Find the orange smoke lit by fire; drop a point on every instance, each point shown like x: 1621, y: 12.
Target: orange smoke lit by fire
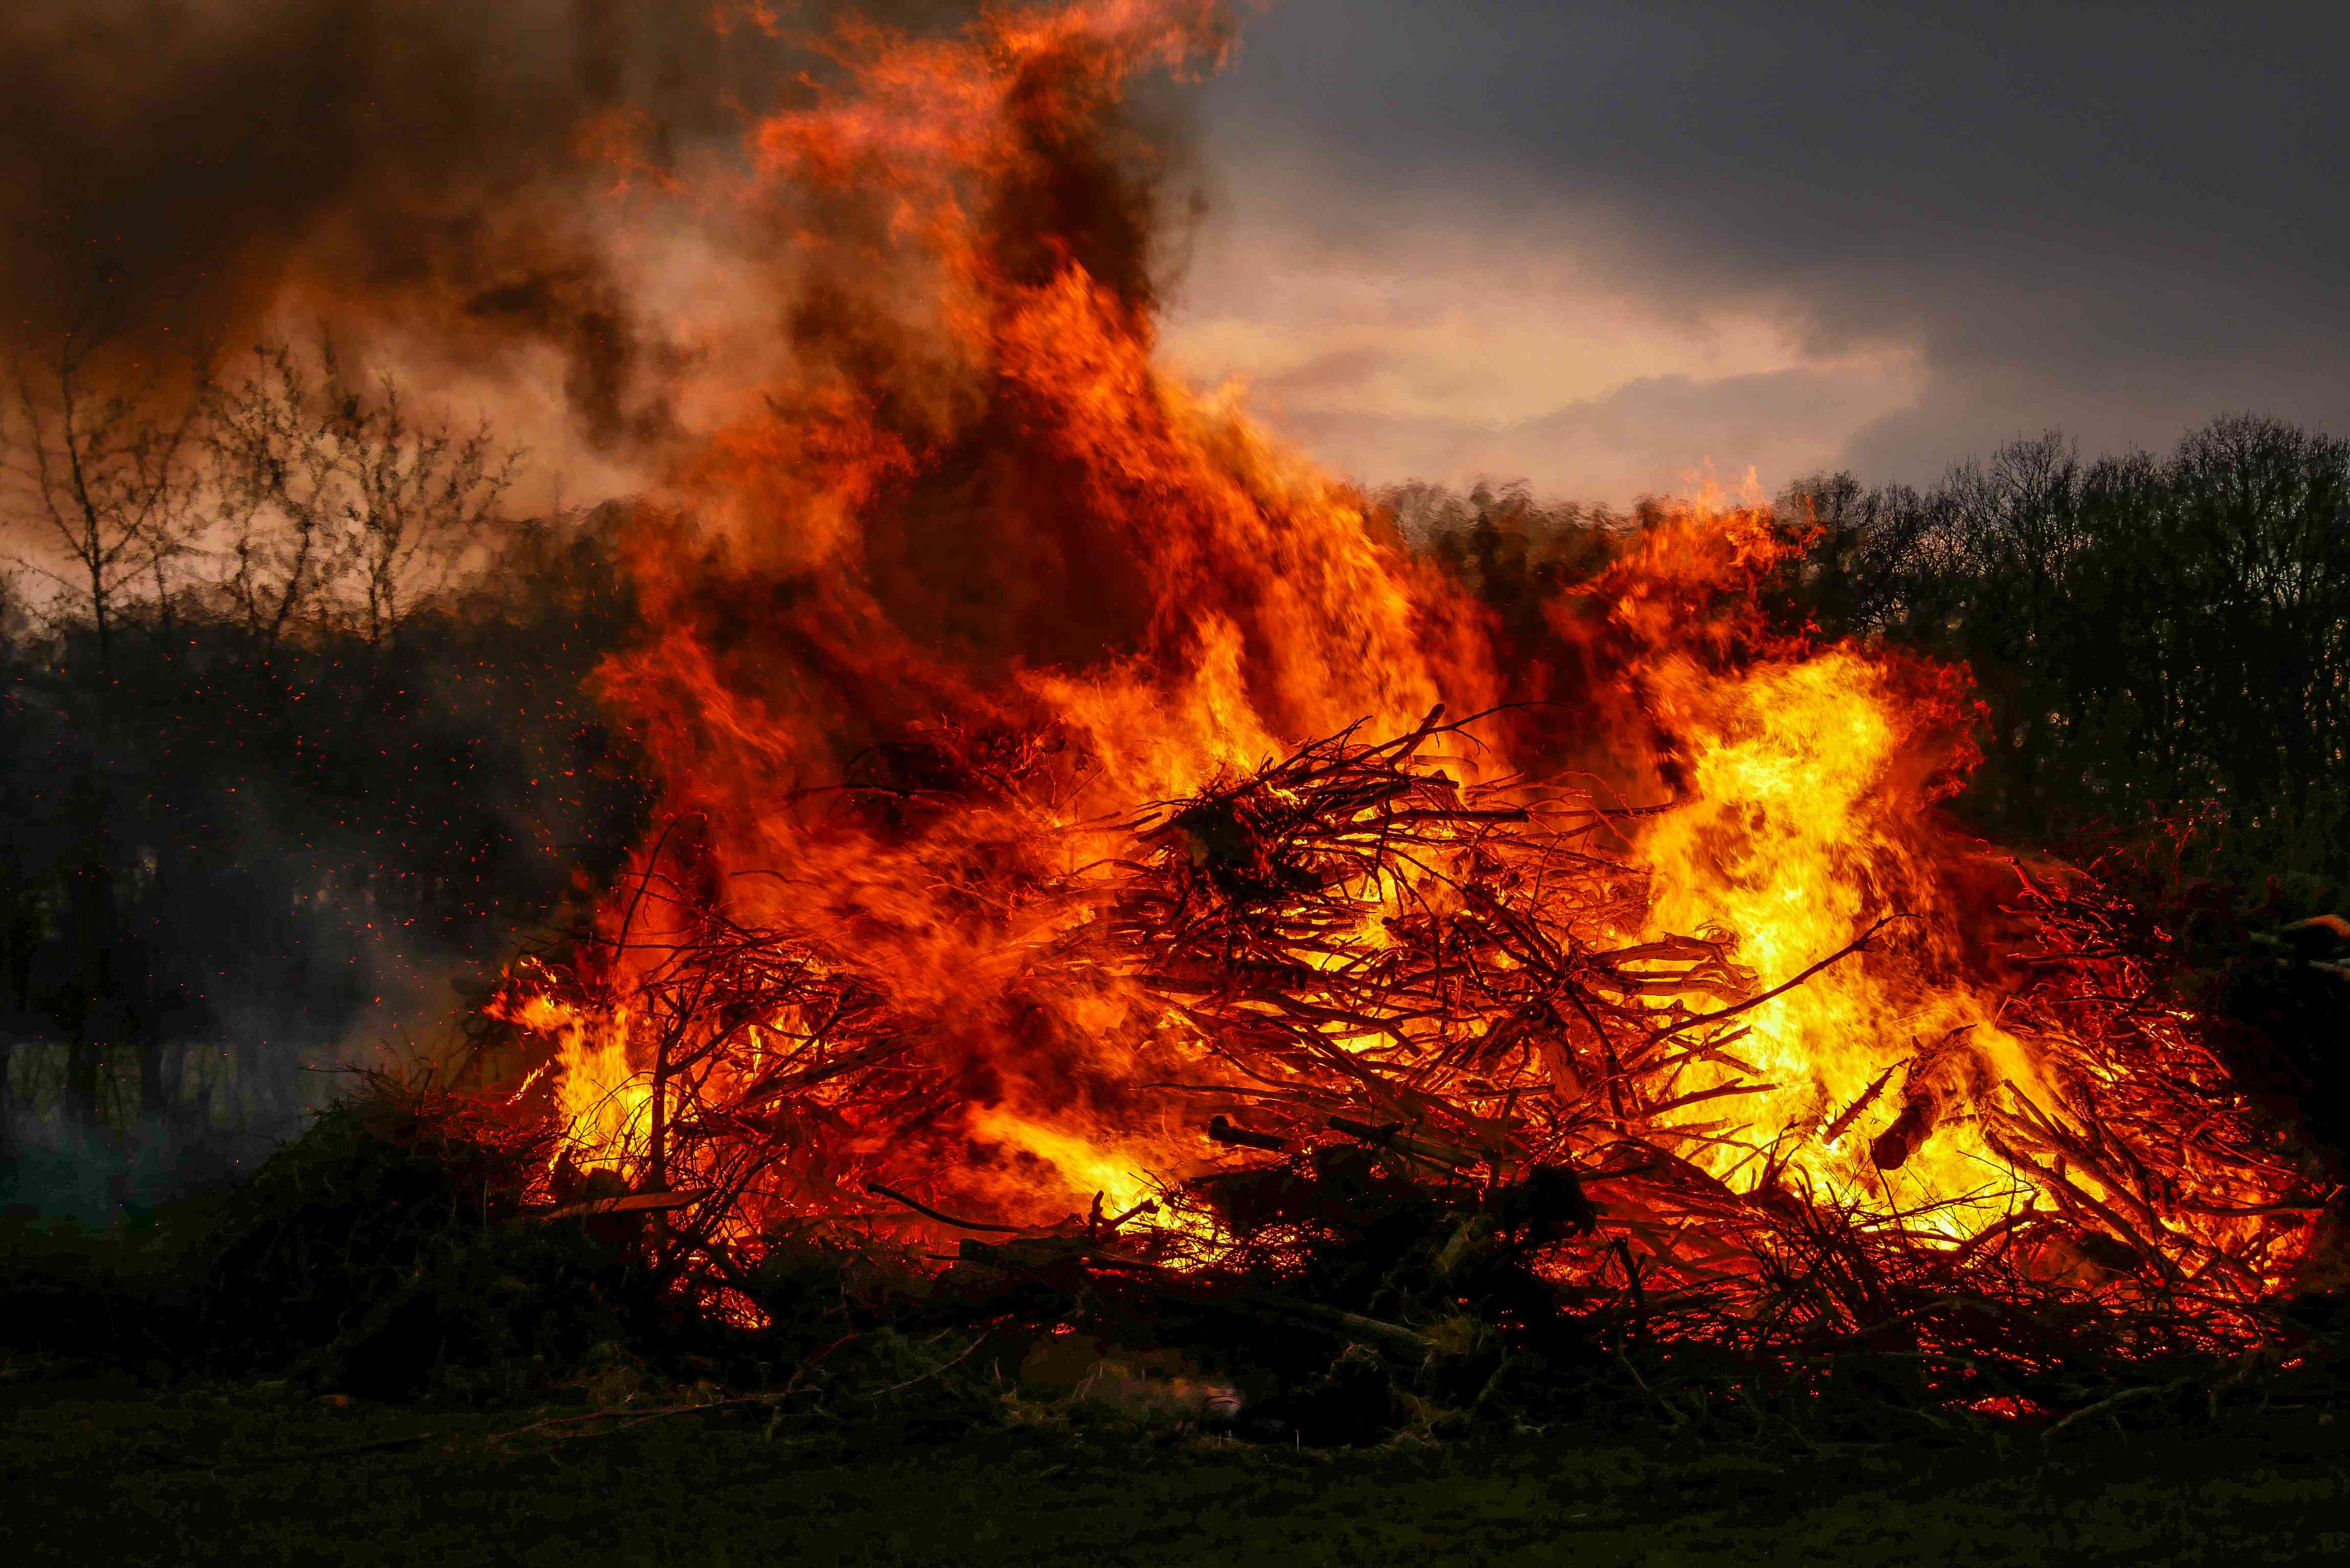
x: 936, y: 628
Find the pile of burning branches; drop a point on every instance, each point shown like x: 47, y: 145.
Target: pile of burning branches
x: 1426, y: 1065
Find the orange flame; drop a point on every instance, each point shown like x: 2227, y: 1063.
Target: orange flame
x: 979, y: 582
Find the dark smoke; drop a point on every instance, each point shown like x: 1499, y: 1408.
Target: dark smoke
x: 174, y: 171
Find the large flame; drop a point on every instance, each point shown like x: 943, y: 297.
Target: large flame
x: 1809, y: 773
x: 978, y: 583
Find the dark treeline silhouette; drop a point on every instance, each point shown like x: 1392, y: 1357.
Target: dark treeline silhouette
x: 293, y: 746
x: 1510, y: 549
x: 2155, y: 638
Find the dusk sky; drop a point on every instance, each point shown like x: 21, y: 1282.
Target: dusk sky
x: 1608, y: 247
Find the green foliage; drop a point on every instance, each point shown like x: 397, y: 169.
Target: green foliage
x: 387, y: 1243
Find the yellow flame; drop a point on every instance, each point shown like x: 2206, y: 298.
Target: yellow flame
x: 1083, y: 1168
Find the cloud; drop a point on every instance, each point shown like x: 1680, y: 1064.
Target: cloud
x: 1467, y: 336
x: 1658, y: 434
x: 2113, y: 218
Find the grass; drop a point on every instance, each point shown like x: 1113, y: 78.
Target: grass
x: 109, y: 1471
x: 356, y: 1262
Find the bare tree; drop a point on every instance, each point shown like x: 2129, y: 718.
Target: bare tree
x: 99, y: 477
x: 274, y: 485
x: 336, y: 506
x: 98, y: 460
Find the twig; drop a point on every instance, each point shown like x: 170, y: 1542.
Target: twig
x: 1858, y: 944
x: 630, y: 1417
x: 919, y: 1207
x: 933, y: 1372
x: 2107, y: 1404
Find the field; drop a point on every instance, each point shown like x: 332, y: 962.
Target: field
x: 110, y: 1471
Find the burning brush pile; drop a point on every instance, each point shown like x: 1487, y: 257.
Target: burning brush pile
x: 1400, y: 1060
x: 1072, y: 886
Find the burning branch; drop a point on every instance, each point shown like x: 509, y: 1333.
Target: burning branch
x: 1355, y: 950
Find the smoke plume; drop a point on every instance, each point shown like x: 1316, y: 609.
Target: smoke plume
x: 526, y: 189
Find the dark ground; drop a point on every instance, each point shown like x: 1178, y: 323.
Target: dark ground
x: 106, y: 1471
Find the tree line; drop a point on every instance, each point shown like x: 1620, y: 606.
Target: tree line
x: 292, y: 736
x: 2156, y: 637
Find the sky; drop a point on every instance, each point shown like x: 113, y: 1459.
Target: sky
x: 1613, y: 248
x: 1607, y: 248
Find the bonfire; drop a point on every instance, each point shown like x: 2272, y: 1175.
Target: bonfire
x: 1095, y: 848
